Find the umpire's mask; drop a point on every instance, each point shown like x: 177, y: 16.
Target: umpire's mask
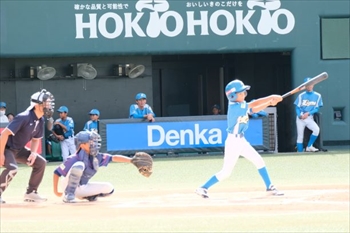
x: 45, y: 98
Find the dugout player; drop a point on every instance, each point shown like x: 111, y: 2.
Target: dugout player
x: 26, y: 126
x: 236, y: 145
x: 141, y: 109
x: 307, y: 104
x: 81, y: 167
x: 66, y: 138
x: 92, y: 124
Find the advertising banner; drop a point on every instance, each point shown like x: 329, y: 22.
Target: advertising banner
x: 176, y: 134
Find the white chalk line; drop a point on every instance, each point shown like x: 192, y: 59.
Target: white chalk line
x: 180, y: 200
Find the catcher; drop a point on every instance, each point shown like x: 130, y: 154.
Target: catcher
x: 83, y: 165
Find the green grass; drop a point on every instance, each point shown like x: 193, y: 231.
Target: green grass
x: 187, y: 173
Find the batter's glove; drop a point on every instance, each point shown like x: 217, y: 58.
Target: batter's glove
x: 143, y: 162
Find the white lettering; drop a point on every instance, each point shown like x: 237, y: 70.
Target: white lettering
x: 172, y: 138
x: 132, y: 24
x: 215, y: 136
x: 183, y: 137
x: 179, y: 23
x: 202, y: 22
x: 163, y: 21
x: 230, y: 22
x: 102, y: 23
x: 200, y: 135
x: 150, y: 130
x: 80, y: 25
x: 290, y: 21
x: 243, y: 22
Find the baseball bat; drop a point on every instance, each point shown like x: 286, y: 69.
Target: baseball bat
x: 313, y: 81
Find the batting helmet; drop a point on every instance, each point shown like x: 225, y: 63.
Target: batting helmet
x: 92, y: 137
x: 234, y: 87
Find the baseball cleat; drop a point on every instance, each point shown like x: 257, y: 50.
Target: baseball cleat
x: 91, y: 198
x: 202, y: 192
x: 34, y: 197
x: 69, y: 198
x: 274, y: 191
x: 2, y: 201
x: 311, y: 149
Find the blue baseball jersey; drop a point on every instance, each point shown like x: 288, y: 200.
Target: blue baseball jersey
x: 88, y: 160
x: 308, y: 102
x: 69, y: 123
x: 24, y: 127
x: 91, y: 125
x: 136, y: 112
x: 237, y: 117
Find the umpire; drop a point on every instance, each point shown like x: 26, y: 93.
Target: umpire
x: 26, y: 126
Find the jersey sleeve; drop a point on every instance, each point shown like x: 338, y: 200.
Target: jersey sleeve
x: 150, y: 111
x: 17, y: 123
x: 64, y: 168
x: 104, y: 159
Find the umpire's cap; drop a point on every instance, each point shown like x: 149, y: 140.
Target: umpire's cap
x: 94, y: 112
x: 63, y: 109
x: 2, y: 105
x: 140, y: 96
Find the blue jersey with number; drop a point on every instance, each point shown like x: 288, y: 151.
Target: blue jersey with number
x: 237, y: 117
x: 308, y: 101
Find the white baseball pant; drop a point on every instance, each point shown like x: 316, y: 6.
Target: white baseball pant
x: 89, y: 189
x: 235, y: 146
x: 67, y: 147
x: 310, y: 124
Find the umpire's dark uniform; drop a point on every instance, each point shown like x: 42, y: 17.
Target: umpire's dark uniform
x: 24, y: 127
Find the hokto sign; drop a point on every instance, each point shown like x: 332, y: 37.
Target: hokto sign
x: 91, y: 19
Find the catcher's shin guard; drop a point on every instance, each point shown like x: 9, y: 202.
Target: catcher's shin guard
x: 74, y: 178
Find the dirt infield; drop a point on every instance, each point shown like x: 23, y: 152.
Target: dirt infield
x: 322, y: 199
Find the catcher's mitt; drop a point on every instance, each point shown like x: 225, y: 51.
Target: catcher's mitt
x: 143, y: 162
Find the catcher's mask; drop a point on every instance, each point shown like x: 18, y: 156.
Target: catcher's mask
x: 92, y: 137
x: 45, y: 98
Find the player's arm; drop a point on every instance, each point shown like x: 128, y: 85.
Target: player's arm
x: 121, y: 159
x: 56, y: 179
x: 3, y: 141
x: 262, y: 103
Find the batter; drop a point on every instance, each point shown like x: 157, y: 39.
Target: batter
x: 236, y: 145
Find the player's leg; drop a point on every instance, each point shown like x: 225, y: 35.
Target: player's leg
x: 9, y: 172
x: 232, y: 152
x: 71, y: 182
x: 312, y: 125
x: 92, y: 190
x: 254, y: 157
x: 64, y: 149
x: 300, y: 131
x: 71, y: 146
x: 37, y: 174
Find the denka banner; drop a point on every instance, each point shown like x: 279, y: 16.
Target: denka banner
x: 175, y: 135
